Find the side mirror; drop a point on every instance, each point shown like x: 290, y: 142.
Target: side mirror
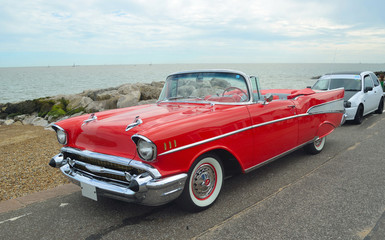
x: 367, y: 89
x: 268, y: 98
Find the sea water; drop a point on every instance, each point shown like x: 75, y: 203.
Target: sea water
x: 24, y: 83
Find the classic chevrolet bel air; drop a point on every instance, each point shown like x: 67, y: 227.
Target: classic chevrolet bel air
x: 205, y: 126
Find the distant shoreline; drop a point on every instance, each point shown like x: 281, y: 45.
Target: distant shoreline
x: 27, y: 83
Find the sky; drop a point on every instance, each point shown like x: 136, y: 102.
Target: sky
x: 101, y: 32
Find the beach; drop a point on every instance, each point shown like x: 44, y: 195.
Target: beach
x: 25, y: 151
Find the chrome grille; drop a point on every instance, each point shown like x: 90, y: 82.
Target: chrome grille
x: 81, y: 161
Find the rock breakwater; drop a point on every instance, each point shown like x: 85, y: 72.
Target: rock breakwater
x: 42, y: 111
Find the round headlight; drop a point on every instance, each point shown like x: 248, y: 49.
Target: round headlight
x: 61, y: 136
x: 146, y: 150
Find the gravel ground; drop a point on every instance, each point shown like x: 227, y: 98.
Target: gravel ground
x: 25, y: 151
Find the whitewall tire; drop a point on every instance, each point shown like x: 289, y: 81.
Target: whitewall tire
x: 204, y: 183
x: 316, y: 146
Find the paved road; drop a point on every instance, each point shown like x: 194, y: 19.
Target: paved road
x: 337, y: 194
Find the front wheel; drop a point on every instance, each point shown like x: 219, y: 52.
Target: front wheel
x: 359, y: 117
x: 316, y: 146
x: 204, y: 183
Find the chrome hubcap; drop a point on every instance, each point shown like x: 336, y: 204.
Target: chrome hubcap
x: 203, y: 181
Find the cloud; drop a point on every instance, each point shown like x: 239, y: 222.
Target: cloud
x: 191, y: 30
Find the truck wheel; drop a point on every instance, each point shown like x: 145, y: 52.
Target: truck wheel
x: 316, y: 146
x: 203, y: 185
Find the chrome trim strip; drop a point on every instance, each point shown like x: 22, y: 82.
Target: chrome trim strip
x: 231, y: 133
x: 278, y: 156
x: 114, y: 159
x: 336, y: 106
x: 309, y: 112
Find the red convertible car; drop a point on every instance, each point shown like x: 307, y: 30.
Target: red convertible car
x: 206, y: 125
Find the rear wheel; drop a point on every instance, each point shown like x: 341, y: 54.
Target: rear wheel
x: 203, y: 185
x: 316, y: 146
x: 380, y: 108
x: 359, y: 115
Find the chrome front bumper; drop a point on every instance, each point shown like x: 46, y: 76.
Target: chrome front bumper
x: 106, y: 175
x: 153, y: 192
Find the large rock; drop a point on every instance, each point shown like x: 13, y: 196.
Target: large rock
x: 95, y: 106
x: 8, y: 122
x: 28, y: 120
x: 25, y: 107
x: 151, y: 101
x: 93, y: 94
x: 158, y: 84
x: 105, y: 95
x: 186, y: 90
x: 38, y: 121
x: 111, y: 103
x: 128, y: 89
x: 219, y: 83
x: 19, y: 118
x: 149, y: 92
x: 78, y: 101
x: 129, y: 100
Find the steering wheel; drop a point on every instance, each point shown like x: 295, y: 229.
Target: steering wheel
x: 243, y: 97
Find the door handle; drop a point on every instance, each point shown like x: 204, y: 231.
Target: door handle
x: 291, y: 106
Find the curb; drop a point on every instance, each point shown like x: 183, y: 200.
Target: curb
x: 20, y: 202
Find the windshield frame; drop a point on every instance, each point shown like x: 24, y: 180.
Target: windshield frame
x: 190, y: 99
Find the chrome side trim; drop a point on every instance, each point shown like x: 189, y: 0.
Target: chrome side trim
x: 311, y: 111
x: 278, y: 156
x: 336, y: 106
x: 231, y: 133
x: 114, y: 159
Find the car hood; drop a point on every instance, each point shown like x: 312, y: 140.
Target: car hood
x: 349, y: 94
x: 107, y: 133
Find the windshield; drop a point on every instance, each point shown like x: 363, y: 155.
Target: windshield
x: 321, y: 84
x: 349, y: 84
x: 205, y: 86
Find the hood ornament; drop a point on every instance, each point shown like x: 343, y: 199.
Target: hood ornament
x: 136, y: 122
x: 92, y: 117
